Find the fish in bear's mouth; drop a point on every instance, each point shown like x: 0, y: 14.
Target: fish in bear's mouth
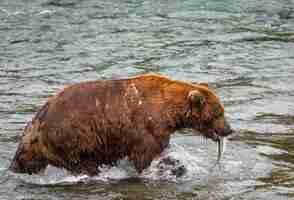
x: 220, y: 141
x: 221, y: 145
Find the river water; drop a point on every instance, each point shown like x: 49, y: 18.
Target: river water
x: 243, y: 48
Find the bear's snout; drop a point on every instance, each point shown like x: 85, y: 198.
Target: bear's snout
x: 221, y: 127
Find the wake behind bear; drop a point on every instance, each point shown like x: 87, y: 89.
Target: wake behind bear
x: 100, y: 122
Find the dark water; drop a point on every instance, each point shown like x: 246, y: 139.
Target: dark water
x: 243, y: 48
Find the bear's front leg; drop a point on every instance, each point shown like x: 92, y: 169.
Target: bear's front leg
x: 144, y: 151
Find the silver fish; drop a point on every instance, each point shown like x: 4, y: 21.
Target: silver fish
x: 221, y: 145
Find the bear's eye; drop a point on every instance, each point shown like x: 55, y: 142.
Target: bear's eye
x: 217, y: 111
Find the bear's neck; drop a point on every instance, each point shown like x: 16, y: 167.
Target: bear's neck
x: 178, y: 118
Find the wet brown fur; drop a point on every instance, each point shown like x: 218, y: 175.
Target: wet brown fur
x: 100, y: 122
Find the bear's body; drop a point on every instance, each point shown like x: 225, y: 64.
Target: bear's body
x: 100, y: 122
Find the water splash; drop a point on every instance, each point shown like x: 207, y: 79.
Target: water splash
x: 184, y: 161
x: 176, y: 164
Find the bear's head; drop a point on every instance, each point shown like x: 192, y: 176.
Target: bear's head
x: 206, y: 113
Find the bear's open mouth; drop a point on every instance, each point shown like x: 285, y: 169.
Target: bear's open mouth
x: 212, y: 134
x: 215, y: 137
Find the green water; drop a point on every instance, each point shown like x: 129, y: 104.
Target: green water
x: 242, y: 48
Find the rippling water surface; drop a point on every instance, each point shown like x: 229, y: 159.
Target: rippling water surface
x: 242, y: 48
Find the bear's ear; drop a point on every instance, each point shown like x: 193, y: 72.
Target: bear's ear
x: 197, y: 99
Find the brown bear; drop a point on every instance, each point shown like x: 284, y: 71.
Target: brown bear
x: 100, y: 122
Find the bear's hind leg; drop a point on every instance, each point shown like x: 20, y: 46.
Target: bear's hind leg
x: 27, y: 160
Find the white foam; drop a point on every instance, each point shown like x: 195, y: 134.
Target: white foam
x: 112, y: 173
x: 53, y: 175
x: 46, y: 12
